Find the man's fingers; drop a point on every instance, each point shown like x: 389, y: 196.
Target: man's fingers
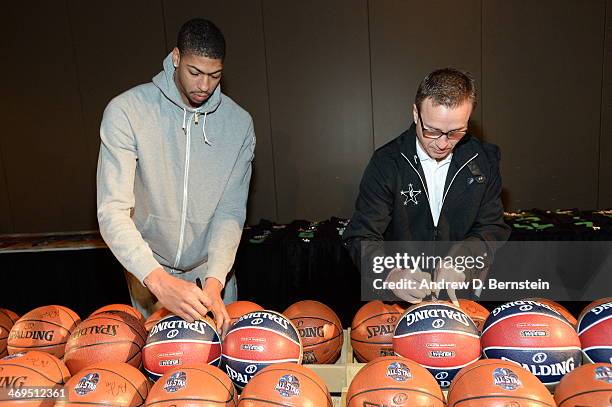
x: 219, y: 314
x: 452, y: 296
x: 186, y: 314
x: 200, y: 308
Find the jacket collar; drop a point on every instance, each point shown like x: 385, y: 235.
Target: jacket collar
x: 462, y: 152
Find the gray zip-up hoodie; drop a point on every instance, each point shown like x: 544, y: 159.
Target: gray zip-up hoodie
x: 173, y: 181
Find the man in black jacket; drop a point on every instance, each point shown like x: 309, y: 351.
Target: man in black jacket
x: 435, y: 182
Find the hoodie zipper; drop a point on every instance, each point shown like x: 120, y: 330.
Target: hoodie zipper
x: 435, y: 229
x: 185, y: 190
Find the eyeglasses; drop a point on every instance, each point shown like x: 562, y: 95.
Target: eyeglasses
x: 453, y: 135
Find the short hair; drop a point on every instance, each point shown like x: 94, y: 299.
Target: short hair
x: 448, y: 87
x: 201, y: 37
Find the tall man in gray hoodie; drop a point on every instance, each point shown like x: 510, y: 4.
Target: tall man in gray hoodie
x: 173, y: 179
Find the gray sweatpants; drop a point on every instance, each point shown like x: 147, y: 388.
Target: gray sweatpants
x: 145, y: 302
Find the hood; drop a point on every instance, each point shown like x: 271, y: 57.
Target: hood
x: 165, y: 82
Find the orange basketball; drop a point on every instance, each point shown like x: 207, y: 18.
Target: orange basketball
x: 559, y: 308
x: 155, y: 317
x: 239, y: 308
x: 593, y: 305
x: 588, y: 385
x: 109, y: 384
x: 372, y: 330
x: 7, y: 320
x: 320, y: 330
x: 285, y: 384
x: 45, y: 328
x: 37, y: 371
x: 394, y: 381
x: 497, y: 383
x: 474, y: 310
x: 105, y: 337
x: 120, y: 308
x: 188, y: 386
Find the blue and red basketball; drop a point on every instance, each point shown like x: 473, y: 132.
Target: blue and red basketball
x: 595, y: 333
x: 533, y: 335
x: 175, y: 342
x: 438, y: 336
x: 259, y: 339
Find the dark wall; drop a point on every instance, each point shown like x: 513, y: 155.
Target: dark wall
x: 326, y: 83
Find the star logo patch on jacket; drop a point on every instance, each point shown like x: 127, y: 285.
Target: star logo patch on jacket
x: 410, y: 195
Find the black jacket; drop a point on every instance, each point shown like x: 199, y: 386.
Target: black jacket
x: 472, y: 208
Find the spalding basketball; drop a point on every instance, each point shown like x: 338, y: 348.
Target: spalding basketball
x: 175, y: 342
x: 285, y: 384
x: 320, y: 330
x: 497, y: 383
x: 595, y: 333
x: 372, y: 330
x: 45, y: 328
x: 533, y: 335
x: 559, y: 308
x: 155, y: 317
x: 39, y: 375
x: 105, y: 337
x: 594, y: 304
x: 204, y: 385
x: 587, y: 385
x: 474, y: 310
x: 120, y: 308
x: 7, y: 320
x: 259, y: 339
x: 109, y: 384
x: 237, y: 309
x: 394, y: 381
x: 438, y: 336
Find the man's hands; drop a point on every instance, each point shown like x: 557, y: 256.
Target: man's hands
x: 420, y: 281
x: 187, y: 300
x: 448, y: 274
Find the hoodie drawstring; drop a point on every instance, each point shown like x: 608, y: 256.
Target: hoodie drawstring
x: 196, y: 122
x: 204, y: 130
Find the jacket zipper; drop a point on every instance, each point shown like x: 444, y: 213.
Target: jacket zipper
x: 435, y: 229
x: 185, y: 190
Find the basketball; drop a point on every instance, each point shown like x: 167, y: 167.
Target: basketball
x: 155, y: 317
x: 239, y: 308
x: 474, y: 310
x: 320, y: 330
x: 40, y: 372
x: 534, y: 336
x: 256, y: 340
x: 175, y: 342
x: 595, y: 333
x: 187, y: 386
x: 372, y: 330
x: 559, y: 308
x: 587, y: 385
x: 285, y: 384
x: 105, y: 337
x: 497, y: 383
x: 109, y: 384
x: 394, y: 381
x: 438, y: 336
x: 120, y: 308
x: 594, y: 304
x: 7, y: 320
x: 45, y: 328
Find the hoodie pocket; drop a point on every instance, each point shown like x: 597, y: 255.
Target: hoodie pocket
x: 162, y: 236
x: 195, y: 244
